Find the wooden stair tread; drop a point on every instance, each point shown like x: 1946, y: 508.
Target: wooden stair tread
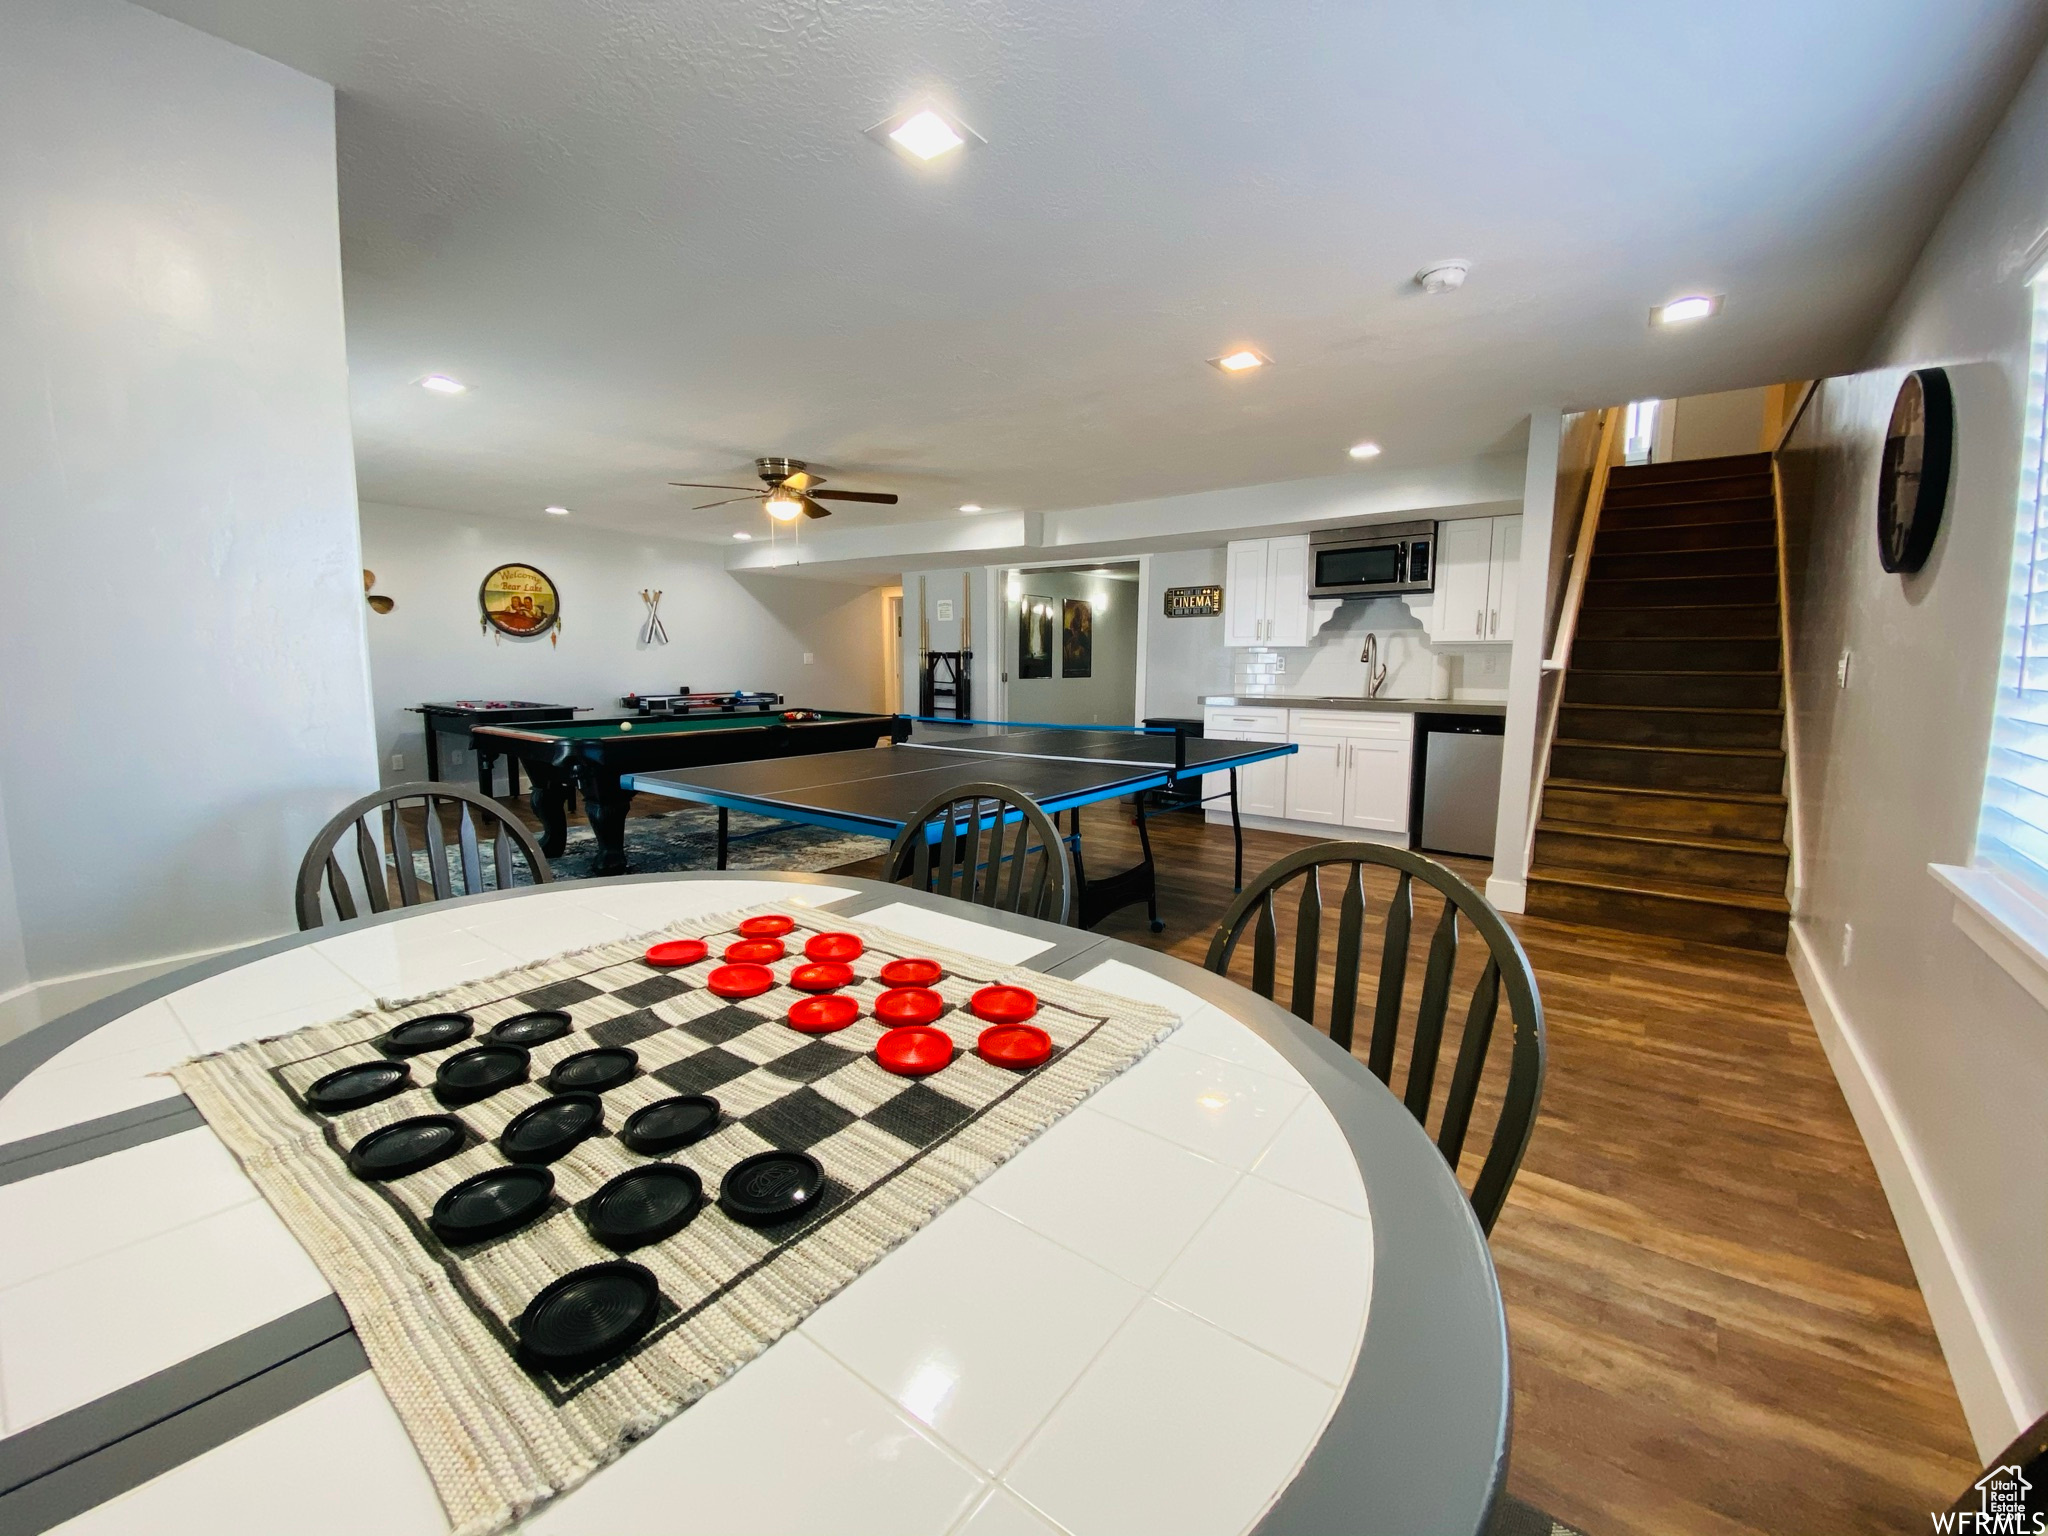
x: 1667, y: 672
x: 1663, y: 839
x: 1739, y: 796
x: 1644, y: 746
x: 1717, y: 549
x: 1667, y: 890
x: 1676, y: 709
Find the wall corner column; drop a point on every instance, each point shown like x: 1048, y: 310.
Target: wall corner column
x: 1507, y: 887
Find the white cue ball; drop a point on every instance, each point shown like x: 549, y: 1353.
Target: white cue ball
x: 625, y: 725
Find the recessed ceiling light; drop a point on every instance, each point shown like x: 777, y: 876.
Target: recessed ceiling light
x: 1365, y: 450
x: 558, y: 511
x: 970, y: 506
x: 1243, y: 360
x: 1443, y: 276
x: 924, y: 134
x: 1696, y: 306
x: 743, y: 537
x: 441, y: 384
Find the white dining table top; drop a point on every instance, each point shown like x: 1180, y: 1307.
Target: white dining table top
x: 1144, y: 1322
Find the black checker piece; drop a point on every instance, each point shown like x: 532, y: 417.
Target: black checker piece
x: 704, y: 1071
x: 655, y: 989
x: 799, y: 1120
x: 559, y: 994
x: 723, y: 1025
x: 919, y: 1115
x: 811, y: 1061
x: 627, y: 1028
x: 830, y: 1198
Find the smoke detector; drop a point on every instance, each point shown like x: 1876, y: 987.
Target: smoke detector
x: 1443, y: 276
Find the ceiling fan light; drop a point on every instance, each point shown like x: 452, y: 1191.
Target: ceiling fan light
x: 782, y: 507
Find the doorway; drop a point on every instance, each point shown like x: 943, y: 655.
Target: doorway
x: 1072, y: 640
x: 892, y: 651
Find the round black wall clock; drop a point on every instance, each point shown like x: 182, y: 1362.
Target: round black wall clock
x: 1912, y: 482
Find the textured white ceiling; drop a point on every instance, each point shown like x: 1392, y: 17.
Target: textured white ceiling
x: 652, y: 236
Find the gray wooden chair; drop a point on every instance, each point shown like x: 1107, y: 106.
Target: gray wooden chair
x: 387, y: 864
x: 1506, y: 966
x: 979, y: 843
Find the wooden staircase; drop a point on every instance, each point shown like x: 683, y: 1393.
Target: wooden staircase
x: 1664, y: 810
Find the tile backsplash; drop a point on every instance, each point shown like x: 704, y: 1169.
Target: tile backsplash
x: 1330, y: 666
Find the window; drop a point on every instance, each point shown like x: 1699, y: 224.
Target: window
x: 2012, y: 830
x: 1639, y: 432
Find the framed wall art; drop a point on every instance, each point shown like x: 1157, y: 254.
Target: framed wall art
x: 1077, y: 638
x: 1034, y: 637
x: 520, y: 601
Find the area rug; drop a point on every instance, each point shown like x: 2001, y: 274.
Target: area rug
x: 445, y: 1321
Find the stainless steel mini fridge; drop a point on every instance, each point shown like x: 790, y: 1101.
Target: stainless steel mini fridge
x: 1458, y: 763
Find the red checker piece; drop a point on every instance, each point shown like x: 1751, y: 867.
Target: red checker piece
x: 825, y: 976
x: 911, y: 973
x: 754, y: 951
x: 822, y: 1015
x: 675, y: 952
x: 833, y: 946
x: 736, y: 981
x: 1014, y: 1045
x: 909, y: 1005
x: 916, y: 1050
x: 1003, y: 1005
x: 771, y: 926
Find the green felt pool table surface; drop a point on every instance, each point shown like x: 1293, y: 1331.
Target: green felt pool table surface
x: 663, y: 725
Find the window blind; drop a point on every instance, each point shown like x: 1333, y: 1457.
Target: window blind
x: 2012, y: 830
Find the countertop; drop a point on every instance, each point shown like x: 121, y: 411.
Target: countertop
x: 1392, y: 706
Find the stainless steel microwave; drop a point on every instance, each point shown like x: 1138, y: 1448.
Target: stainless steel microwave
x: 1365, y: 562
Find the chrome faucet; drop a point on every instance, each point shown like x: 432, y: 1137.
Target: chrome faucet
x: 1375, y: 670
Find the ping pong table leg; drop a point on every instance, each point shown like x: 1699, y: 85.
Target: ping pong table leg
x: 722, y: 839
x: 1236, y: 831
x: 1145, y: 863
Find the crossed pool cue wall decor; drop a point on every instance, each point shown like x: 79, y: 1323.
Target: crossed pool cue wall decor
x: 654, y: 633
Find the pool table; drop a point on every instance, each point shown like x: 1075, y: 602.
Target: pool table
x: 592, y: 755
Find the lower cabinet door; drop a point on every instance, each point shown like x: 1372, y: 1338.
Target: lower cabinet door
x: 1315, y: 779
x: 1261, y: 787
x: 1376, y: 783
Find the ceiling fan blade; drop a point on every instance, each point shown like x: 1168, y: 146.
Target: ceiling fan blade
x: 812, y: 509
x: 707, y: 506
x: 802, y: 481
x: 699, y: 485
x: 881, y: 498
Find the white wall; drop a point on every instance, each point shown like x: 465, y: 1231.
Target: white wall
x: 725, y: 631
x: 1714, y: 426
x: 975, y: 596
x: 1185, y: 659
x: 1108, y: 695
x: 1941, y: 1054
x: 181, y: 647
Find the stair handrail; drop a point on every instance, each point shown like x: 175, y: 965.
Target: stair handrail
x: 1554, y: 665
x: 1793, y: 888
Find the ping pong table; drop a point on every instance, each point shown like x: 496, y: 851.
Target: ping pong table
x: 877, y: 790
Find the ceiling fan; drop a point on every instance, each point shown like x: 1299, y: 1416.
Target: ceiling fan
x: 791, y: 489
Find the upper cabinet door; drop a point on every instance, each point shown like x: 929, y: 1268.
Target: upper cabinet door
x: 1287, y: 591
x: 1464, y: 557
x: 1244, y: 593
x: 1503, y: 578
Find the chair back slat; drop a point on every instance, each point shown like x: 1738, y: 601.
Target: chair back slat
x: 1464, y: 1090
x: 337, y: 889
x: 370, y: 859
x: 401, y: 857
x: 1308, y: 944
x: 322, y: 867
x: 1350, y: 940
x: 1393, y: 982
x: 960, y: 843
x: 1505, y: 969
x: 1265, y: 940
x: 472, y: 858
x: 1434, y: 1004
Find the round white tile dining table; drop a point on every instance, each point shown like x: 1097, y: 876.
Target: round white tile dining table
x: 1237, y: 1289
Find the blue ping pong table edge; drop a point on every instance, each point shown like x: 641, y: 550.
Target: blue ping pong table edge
x: 873, y: 826
x: 1041, y: 725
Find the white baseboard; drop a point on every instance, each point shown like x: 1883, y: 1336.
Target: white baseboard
x: 22, y: 1009
x: 1989, y: 1389
x: 1321, y: 831
x: 1508, y: 895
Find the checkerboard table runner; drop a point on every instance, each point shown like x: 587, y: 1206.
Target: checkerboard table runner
x: 500, y: 1438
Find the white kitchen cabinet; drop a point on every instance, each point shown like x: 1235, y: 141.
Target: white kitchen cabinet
x: 1376, y: 780
x: 1315, y: 779
x: 1261, y: 787
x: 1265, y: 592
x: 1477, y: 564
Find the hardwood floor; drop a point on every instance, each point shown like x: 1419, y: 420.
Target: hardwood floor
x: 1714, y: 1327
